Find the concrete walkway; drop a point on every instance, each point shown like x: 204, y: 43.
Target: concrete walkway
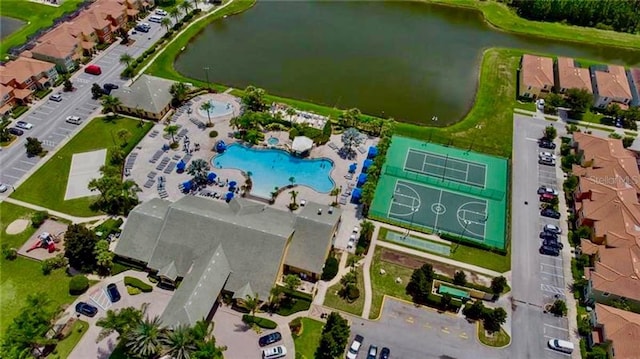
x: 73, y: 219
x: 368, y: 292
x: 323, y: 286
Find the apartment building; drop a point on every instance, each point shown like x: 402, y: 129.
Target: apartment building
x: 536, y: 77
x: 610, y: 85
x: 24, y: 76
x: 568, y: 76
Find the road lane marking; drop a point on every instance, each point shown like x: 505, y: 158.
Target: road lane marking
x: 551, y: 289
x: 554, y: 327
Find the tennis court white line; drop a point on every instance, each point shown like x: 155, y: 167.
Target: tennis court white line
x: 425, y: 155
x: 435, y: 224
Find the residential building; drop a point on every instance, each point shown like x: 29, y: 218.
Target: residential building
x: 610, y: 85
x: 148, y: 97
x: 634, y: 82
x: 24, y: 76
x: 241, y: 248
x: 536, y: 76
x: 569, y: 76
x: 617, y: 330
x: 7, y: 99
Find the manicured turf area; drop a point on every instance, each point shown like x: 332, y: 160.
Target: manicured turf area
x: 498, y: 340
x: 333, y: 300
x: 500, y: 16
x: 385, y: 284
x: 309, y: 339
x: 22, y: 276
x: 66, y: 345
x: 36, y: 16
x: 47, y: 186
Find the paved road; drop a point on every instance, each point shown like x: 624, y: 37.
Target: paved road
x: 536, y: 278
x: 411, y: 332
x: 48, y: 117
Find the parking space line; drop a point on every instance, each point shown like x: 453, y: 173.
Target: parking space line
x: 427, y: 326
x: 409, y: 320
x: 445, y: 330
x: 29, y: 163
x: 6, y: 175
x: 550, y: 265
x: 463, y: 335
x: 554, y: 327
x: 552, y: 274
x: 19, y: 169
x: 551, y: 289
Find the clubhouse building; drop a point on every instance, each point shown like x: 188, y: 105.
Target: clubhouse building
x: 208, y: 248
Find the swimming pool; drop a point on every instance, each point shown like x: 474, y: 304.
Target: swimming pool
x: 218, y: 109
x: 273, y: 141
x: 272, y: 168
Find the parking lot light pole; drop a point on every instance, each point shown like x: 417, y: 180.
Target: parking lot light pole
x: 206, y: 72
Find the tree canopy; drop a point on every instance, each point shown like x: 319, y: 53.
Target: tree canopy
x: 254, y: 99
x: 28, y: 330
x: 80, y: 243
x: 335, y: 335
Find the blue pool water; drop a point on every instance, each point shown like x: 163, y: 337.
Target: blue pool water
x: 273, y: 141
x: 218, y: 109
x: 272, y: 168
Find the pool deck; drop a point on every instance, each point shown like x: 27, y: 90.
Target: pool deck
x: 150, y: 145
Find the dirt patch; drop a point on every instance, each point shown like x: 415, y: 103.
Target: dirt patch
x: 18, y: 226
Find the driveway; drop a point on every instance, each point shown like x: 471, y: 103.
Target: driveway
x: 87, y: 347
x: 411, y: 332
x: 536, y: 279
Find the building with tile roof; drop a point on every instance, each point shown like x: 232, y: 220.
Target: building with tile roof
x: 569, y: 76
x: 610, y: 85
x: 22, y: 77
x: 617, y: 330
x: 148, y: 97
x: 536, y: 76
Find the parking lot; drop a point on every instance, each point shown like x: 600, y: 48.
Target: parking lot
x: 538, y: 279
x: 411, y: 332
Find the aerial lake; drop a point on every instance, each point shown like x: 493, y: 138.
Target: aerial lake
x: 406, y: 60
x: 8, y: 25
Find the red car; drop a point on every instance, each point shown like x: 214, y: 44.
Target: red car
x: 93, y: 69
x: 546, y: 197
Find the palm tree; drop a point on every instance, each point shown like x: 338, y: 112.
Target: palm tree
x: 175, y: 12
x: 252, y: 304
x: 207, y: 106
x: 124, y: 135
x: 179, y: 343
x: 110, y: 103
x: 291, y: 112
x: 294, y: 196
x: 126, y: 59
x: 171, y: 130
x: 198, y: 169
x: 179, y: 91
x: 367, y: 228
x: 186, y: 6
x: 166, y: 22
x: 335, y: 192
x: 195, y: 3
x: 146, y: 339
x: 292, y: 180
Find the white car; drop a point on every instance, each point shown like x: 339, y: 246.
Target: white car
x: 75, y: 120
x: 274, y: 352
x: 552, y: 229
x: 355, y: 347
x: 356, y: 230
x: 3, y: 188
x: 545, y: 189
x: 161, y: 12
x: 546, y: 154
x: 24, y: 125
x: 561, y: 345
x: 56, y: 97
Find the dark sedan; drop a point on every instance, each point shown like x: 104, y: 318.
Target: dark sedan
x: 384, y: 353
x: 270, y: 339
x: 86, y: 309
x: 16, y: 131
x: 548, y: 212
x: 550, y: 251
x: 113, y: 293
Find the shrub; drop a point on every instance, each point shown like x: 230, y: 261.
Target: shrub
x: 137, y: 283
x: 352, y: 292
x: 263, y: 323
x: 9, y: 253
x: 78, y: 285
x: 38, y: 218
x: 295, y: 326
x: 59, y: 261
x: 117, y: 268
x: 293, y: 133
x: 213, y: 134
x: 132, y: 290
x: 331, y: 267
x: 46, y: 268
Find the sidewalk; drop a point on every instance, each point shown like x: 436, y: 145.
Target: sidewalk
x: 55, y: 213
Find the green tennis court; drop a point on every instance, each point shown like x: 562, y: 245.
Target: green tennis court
x: 444, y: 190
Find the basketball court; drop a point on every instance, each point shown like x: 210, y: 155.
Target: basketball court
x: 444, y: 190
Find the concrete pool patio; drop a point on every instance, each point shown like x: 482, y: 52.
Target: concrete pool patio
x: 145, y: 171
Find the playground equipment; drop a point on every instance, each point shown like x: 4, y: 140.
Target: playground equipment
x: 45, y: 240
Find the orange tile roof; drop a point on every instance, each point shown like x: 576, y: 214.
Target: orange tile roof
x: 570, y: 76
x: 22, y: 93
x: 5, y: 90
x: 537, y: 71
x: 613, y: 83
x: 588, y: 247
x: 622, y: 328
x: 607, y: 280
x: 23, y: 68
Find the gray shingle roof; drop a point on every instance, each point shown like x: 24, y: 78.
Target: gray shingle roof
x: 141, y: 230
x: 194, y: 298
x: 147, y: 93
x: 312, y: 237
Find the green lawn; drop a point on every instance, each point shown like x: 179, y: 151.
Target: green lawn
x: 307, y: 342
x: 385, y: 284
x: 498, y: 340
x: 467, y: 254
x: 333, y: 300
x: 66, y: 345
x: 36, y: 16
x: 47, y: 186
x: 500, y: 16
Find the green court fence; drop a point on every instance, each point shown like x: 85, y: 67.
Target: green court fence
x: 447, y: 184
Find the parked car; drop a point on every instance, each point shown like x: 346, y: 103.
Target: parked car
x: 3, y: 188
x: 86, y: 309
x: 545, y: 189
x: 552, y: 242
x: 108, y: 87
x: 274, y: 352
x: 113, y: 293
x: 547, y: 235
x: 75, y: 120
x: 550, y: 228
x: 547, y: 197
x: 548, y: 212
x: 142, y: 28
x: 269, y: 339
x: 548, y: 161
x: 160, y: 12
x: 352, y: 353
x: 155, y: 18
x: 56, y: 97
x: 550, y: 251
x: 384, y: 353
x: 561, y: 345
x: 546, y: 144
x: 16, y: 131
x: 546, y: 154
x: 24, y: 125
x: 93, y: 70
x: 373, y: 352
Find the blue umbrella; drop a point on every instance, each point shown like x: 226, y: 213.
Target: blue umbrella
x: 373, y: 151
x: 181, y: 166
x: 353, y: 167
x: 211, y: 177
x: 366, y: 164
x: 187, y: 186
x: 361, y: 179
x: 233, y: 183
x: 356, y: 195
x: 221, y: 146
x: 228, y: 196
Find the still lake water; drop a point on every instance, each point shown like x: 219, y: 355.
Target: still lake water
x: 406, y: 60
x: 9, y: 25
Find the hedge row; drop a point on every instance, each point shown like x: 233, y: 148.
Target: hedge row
x: 137, y: 283
x: 261, y: 322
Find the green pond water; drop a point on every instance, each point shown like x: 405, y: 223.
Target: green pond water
x: 406, y: 60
